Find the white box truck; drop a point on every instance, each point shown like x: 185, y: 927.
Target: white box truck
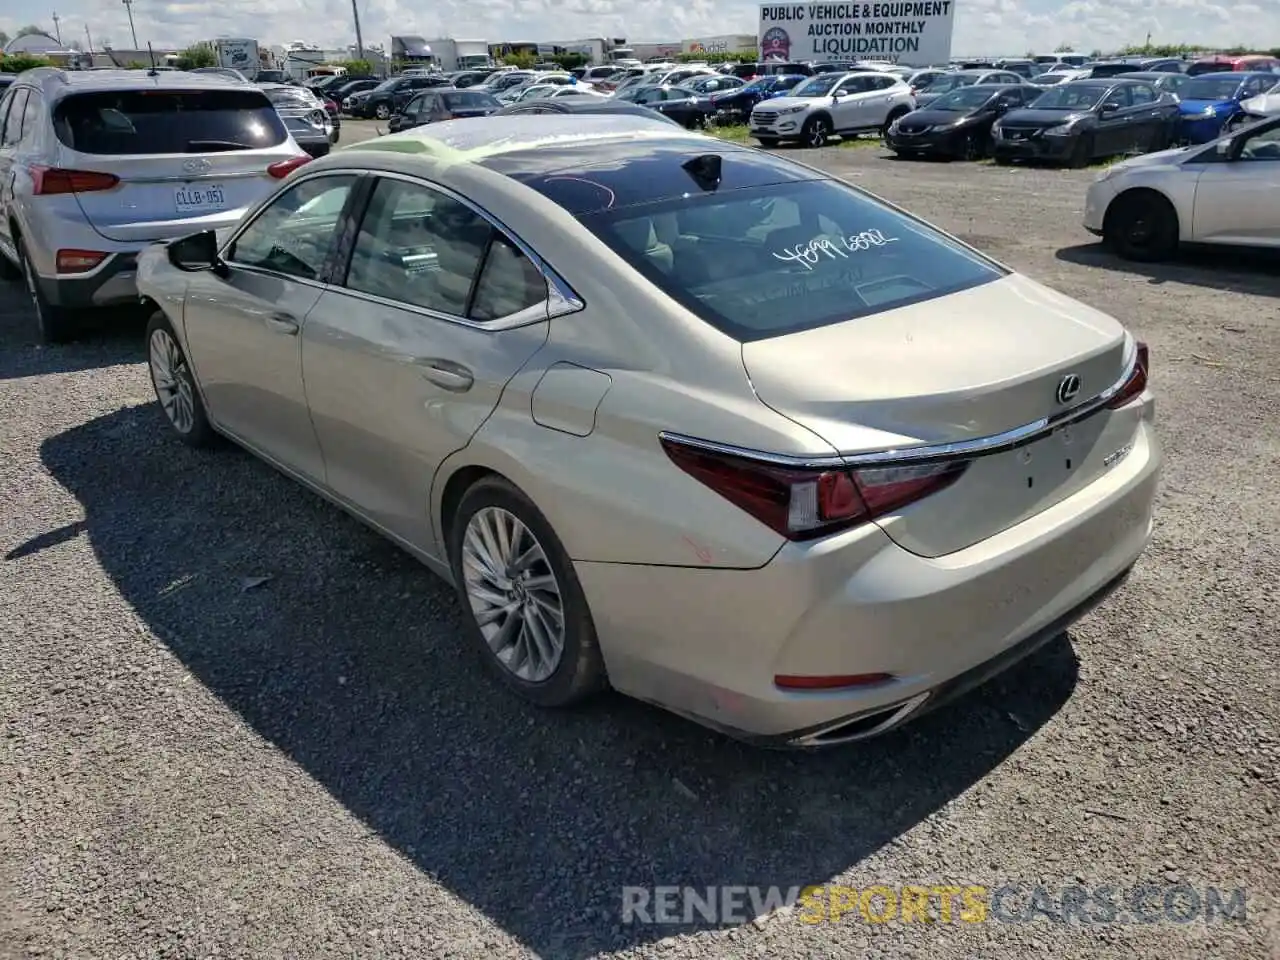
x: 239, y: 55
x: 460, y: 54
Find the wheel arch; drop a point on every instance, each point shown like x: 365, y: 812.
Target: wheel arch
x: 1140, y: 191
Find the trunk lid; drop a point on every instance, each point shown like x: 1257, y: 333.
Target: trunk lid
x: 973, y: 365
x: 186, y: 160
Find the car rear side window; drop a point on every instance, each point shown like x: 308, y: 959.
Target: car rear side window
x: 423, y: 248
x: 13, y: 124
x: 124, y: 122
x: 767, y: 261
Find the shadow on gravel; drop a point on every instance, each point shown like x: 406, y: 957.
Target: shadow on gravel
x: 109, y: 338
x: 346, y: 654
x: 1237, y: 269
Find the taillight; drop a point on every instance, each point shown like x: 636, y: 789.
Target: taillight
x: 282, y: 168
x: 78, y: 261
x: 803, y: 503
x: 1137, y: 382
x: 47, y: 181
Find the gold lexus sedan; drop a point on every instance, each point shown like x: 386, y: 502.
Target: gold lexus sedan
x: 676, y: 417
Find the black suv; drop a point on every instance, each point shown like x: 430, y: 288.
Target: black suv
x: 389, y: 96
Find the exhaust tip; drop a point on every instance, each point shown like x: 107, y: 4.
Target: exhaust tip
x: 864, y: 726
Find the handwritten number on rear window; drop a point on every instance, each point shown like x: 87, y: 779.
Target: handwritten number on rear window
x: 810, y: 254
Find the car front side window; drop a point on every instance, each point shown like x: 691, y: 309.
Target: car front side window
x: 294, y: 234
x: 13, y: 123
x: 1262, y: 146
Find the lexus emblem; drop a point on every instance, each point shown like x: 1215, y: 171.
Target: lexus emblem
x: 196, y: 165
x: 1068, y: 387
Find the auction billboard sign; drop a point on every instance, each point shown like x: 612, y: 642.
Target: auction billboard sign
x: 914, y: 32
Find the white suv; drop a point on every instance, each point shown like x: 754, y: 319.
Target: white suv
x: 95, y: 165
x: 833, y: 103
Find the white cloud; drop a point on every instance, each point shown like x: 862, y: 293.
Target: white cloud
x: 982, y: 26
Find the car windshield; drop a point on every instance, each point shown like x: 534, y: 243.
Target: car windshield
x: 1047, y: 80
x: 1210, y: 88
x: 122, y: 122
x: 765, y: 261
x: 819, y: 86
x: 389, y: 84
x: 962, y: 100
x: 1072, y: 96
x: 952, y: 81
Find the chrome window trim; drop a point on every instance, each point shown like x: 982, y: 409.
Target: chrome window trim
x: 537, y: 313
x: 930, y: 452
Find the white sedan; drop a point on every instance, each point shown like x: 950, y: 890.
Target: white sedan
x: 1225, y: 192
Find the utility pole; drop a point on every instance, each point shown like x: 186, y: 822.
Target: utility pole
x: 128, y: 5
x: 88, y: 36
x: 57, y: 28
x: 355, y: 13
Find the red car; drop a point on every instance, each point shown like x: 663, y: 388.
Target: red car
x: 1222, y: 63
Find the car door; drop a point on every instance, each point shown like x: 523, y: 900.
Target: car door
x: 415, y: 112
x: 1115, y: 124
x: 12, y: 105
x: 243, y: 322
x: 852, y: 108
x: 1238, y: 201
x: 1148, y: 119
x: 408, y: 354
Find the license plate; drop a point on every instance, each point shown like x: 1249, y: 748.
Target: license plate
x: 200, y: 198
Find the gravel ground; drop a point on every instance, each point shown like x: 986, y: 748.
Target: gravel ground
x: 201, y: 762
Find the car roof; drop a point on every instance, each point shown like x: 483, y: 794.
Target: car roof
x: 56, y: 83
x: 462, y: 141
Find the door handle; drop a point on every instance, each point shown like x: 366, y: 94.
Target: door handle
x: 283, y: 323
x: 447, y: 374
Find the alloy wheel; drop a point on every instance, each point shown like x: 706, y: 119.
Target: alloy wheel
x: 513, y: 593
x: 817, y: 135
x: 172, y: 380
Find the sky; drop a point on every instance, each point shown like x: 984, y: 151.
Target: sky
x: 982, y: 27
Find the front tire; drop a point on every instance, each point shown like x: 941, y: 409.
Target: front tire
x: 523, y: 605
x: 767, y: 143
x: 1142, y: 227
x: 1081, y: 152
x: 53, y: 323
x: 889, y: 121
x: 971, y: 147
x: 175, y: 385
x: 816, y: 133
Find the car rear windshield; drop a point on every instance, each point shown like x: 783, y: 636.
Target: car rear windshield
x: 761, y: 262
x: 129, y: 122
x: 469, y: 101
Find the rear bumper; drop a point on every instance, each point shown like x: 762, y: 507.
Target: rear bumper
x: 113, y: 282
x: 707, y: 644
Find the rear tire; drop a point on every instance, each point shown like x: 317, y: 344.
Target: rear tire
x: 897, y: 114
x: 497, y: 591
x: 382, y: 111
x: 53, y: 323
x: 1142, y: 226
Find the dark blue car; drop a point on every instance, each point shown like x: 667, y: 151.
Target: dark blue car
x: 734, y: 106
x: 1211, y: 100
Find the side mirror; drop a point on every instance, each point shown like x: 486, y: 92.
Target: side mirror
x: 1109, y: 108
x: 196, y: 252
x: 1002, y: 107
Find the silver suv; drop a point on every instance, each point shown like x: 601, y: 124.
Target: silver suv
x: 95, y: 165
